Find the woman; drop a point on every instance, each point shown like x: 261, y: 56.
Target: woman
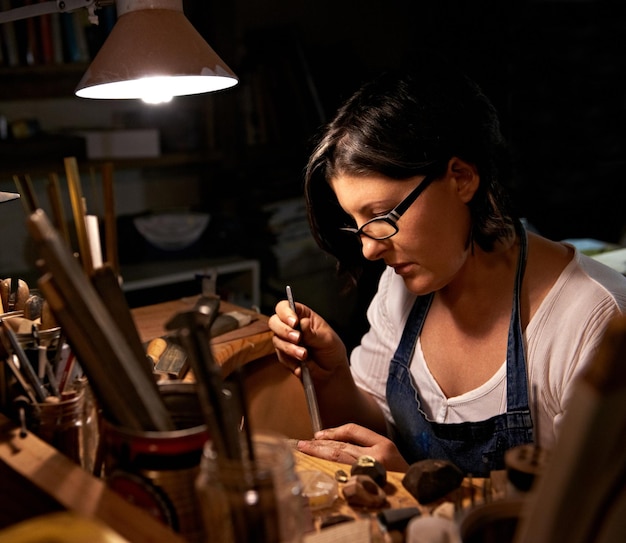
x: 475, y: 320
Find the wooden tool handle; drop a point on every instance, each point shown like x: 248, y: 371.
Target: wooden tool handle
x: 78, y: 210
x: 155, y: 349
x: 110, y: 224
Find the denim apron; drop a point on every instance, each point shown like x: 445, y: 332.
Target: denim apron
x: 475, y: 447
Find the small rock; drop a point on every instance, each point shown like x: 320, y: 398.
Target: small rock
x: 430, y: 480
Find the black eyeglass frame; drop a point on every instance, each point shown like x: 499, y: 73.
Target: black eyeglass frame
x: 394, y: 215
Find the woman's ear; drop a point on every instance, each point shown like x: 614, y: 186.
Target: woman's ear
x: 465, y: 175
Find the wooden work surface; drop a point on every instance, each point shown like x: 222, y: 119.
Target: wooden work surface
x: 230, y: 350
x: 397, y: 495
x: 38, y: 480
x: 472, y: 491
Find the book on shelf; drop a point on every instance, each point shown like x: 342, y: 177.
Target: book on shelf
x: 74, y: 41
x: 52, y: 38
x: 33, y: 48
x: 81, y: 22
x: 57, y: 38
x: 46, y: 44
x: 10, y: 50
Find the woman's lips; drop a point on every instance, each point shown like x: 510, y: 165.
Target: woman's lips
x: 402, y: 268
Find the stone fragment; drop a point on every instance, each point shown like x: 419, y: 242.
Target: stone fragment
x: 362, y: 491
x: 429, y: 480
x: 367, y: 465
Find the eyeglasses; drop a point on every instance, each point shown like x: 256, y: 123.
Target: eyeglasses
x: 384, y: 227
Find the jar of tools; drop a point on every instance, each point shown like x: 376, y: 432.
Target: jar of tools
x: 157, y: 470
x: 66, y: 422
x: 259, y: 500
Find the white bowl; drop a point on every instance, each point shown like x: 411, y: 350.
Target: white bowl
x: 172, y: 231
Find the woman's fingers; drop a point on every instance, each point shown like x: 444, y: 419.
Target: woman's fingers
x: 335, y: 451
x: 353, y: 433
x: 348, y: 442
x: 287, y: 350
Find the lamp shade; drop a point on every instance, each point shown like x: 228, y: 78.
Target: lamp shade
x: 153, y: 52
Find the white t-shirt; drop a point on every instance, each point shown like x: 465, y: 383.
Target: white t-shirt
x: 560, y: 340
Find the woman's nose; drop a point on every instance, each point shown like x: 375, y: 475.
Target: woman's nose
x: 372, y: 248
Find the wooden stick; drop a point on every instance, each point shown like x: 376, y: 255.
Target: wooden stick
x: 56, y: 204
x: 110, y: 224
x: 25, y: 188
x: 108, y: 287
x: 114, y: 385
x: 78, y: 209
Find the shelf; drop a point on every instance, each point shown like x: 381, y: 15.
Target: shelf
x: 39, y: 82
x: 147, y: 276
x: 36, y: 168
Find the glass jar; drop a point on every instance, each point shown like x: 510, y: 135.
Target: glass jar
x: 260, y: 502
x: 63, y: 424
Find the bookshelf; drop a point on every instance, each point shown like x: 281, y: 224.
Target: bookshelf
x: 45, y: 56
x: 167, y: 161
x: 52, y: 39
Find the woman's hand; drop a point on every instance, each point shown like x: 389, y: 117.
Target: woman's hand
x: 347, y: 443
x: 314, y: 340
x: 306, y: 337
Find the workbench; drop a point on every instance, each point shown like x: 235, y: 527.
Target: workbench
x: 270, y: 386
x: 38, y: 480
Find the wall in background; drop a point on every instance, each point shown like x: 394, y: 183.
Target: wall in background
x: 554, y: 70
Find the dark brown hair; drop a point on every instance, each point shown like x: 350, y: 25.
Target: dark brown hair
x: 401, y: 125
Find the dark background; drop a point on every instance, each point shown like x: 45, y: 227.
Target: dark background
x: 554, y: 69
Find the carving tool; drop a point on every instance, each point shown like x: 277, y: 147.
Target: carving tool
x: 307, y: 382
x: 169, y: 358
x: 173, y: 361
x: 223, y: 406
x: 26, y: 369
x: 191, y: 327
x: 120, y: 381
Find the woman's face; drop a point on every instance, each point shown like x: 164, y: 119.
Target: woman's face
x: 431, y: 244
